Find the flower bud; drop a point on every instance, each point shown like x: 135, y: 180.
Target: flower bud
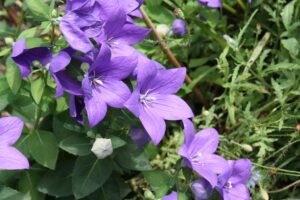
x: 162, y: 30
x: 264, y: 194
x: 9, y: 41
x: 149, y: 195
x: 179, y: 27
x: 201, y: 189
x: 248, y: 148
x: 178, y: 13
x: 102, y: 148
x: 139, y: 136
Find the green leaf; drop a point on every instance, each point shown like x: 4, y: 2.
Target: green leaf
x: 114, y: 188
x: 117, y: 142
x: 131, y: 157
x: 28, y: 184
x: 291, y: 45
x: 13, y: 75
x: 77, y: 145
x: 39, y: 9
x: 159, y: 181
x: 27, y: 33
x: 287, y: 14
x: 11, y: 194
x: 37, y: 89
x: 43, y: 148
x: 160, y: 14
x: 36, y: 42
x: 90, y: 174
x: 58, y: 183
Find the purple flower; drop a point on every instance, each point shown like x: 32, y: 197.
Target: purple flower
x: 202, y: 189
x: 10, y: 157
x: 119, y: 35
x: 81, y: 22
x: 56, y: 64
x: 24, y: 57
x: 198, y: 152
x: 153, y: 100
x: 211, y: 3
x: 232, y: 183
x: 64, y: 83
x: 102, y: 84
x: 179, y: 27
x: 139, y: 136
x: 76, y: 105
x: 171, y: 196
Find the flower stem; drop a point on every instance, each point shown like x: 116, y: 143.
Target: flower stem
x: 286, y: 187
x: 229, y: 8
x: 170, y: 55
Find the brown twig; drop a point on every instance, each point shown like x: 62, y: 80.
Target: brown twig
x: 171, y: 56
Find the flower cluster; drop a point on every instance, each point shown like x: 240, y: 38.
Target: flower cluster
x: 100, y: 35
x: 229, y: 178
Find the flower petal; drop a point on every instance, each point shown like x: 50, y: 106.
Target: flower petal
x: 12, y: 159
x: 238, y: 192
x: 171, y: 107
x: 207, y: 174
x: 119, y: 67
x: 72, y: 33
x: 133, y: 104
x: 115, y: 93
x: 60, y: 61
x: 68, y: 83
x: 96, y: 108
x: 241, y: 171
x: 205, y: 141
x: 154, y: 125
x: 214, y: 163
x: 10, y: 130
x: 167, y: 81
x: 132, y: 34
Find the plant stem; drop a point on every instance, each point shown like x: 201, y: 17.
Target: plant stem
x: 171, y: 56
x: 229, y: 8
x: 286, y: 187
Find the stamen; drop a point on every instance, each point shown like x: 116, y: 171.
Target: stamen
x: 146, y: 99
x: 228, y: 185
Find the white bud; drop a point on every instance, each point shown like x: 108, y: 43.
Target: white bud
x: 162, y: 29
x: 102, y: 148
x: 264, y: 194
x: 247, y: 147
x: 205, y: 113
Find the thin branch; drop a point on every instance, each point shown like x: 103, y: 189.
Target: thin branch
x: 171, y: 56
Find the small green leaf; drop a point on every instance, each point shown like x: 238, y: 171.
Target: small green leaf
x: 117, y: 142
x: 159, y: 181
x: 77, y: 145
x: 39, y: 9
x: 291, y: 45
x: 287, y: 14
x: 90, y: 174
x: 13, y: 75
x: 43, y: 148
x: 37, y: 89
x: 27, y: 33
x: 36, y: 42
x: 160, y: 14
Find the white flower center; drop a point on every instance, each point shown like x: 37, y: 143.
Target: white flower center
x: 147, y: 99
